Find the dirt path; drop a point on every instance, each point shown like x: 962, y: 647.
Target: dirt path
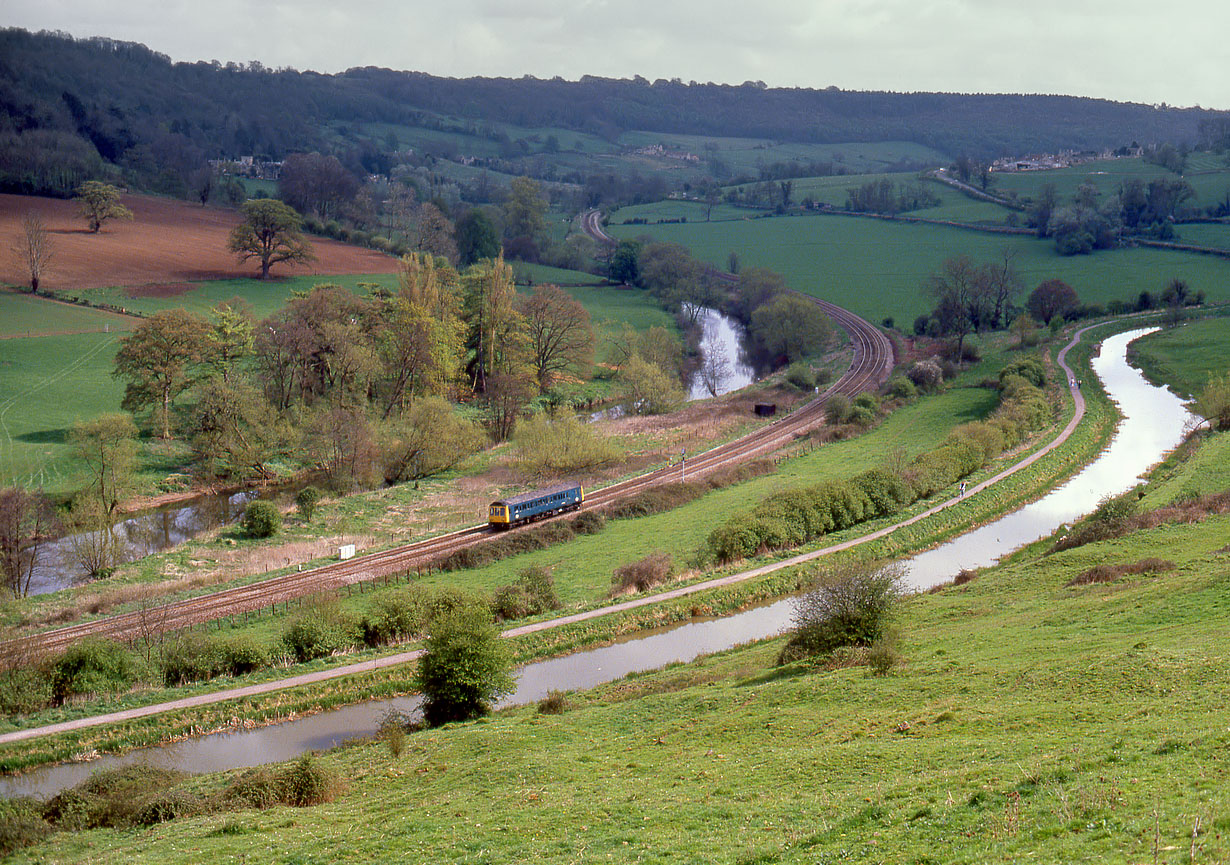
x: 730, y: 579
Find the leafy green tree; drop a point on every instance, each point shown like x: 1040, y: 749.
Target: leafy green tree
x: 476, y: 238
x: 429, y: 438
x: 624, y: 266
x: 306, y: 501
x: 270, y: 232
x: 792, y: 327
x: 647, y: 388
x: 158, y: 360
x: 1213, y: 403
x: 98, y: 202
x: 465, y: 666
x: 757, y: 286
x: 234, y: 433
x: 107, y: 445
x: 230, y: 342
x: 495, y: 333
x: 525, y: 212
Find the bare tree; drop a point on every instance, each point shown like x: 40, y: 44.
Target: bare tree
x: 34, y: 248
x: 714, y: 368
x: 560, y: 333
x: 26, y: 519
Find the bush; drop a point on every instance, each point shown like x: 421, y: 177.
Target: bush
x: 640, y: 575
x: 168, y: 805
x: 21, y: 824
x: 882, y: 657
x: 307, y: 781
x: 851, y: 610
x: 800, y: 376
x: 555, y: 703
x: 926, y: 375
x: 261, y: 519
x: 397, y: 616
x: 837, y: 409
x: 90, y: 667
x: 319, y: 631
x: 255, y: 788
x: 902, y: 388
x: 588, y: 523
x: 306, y: 501
x: 465, y: 667
x: 544, y: 446
x: 533, y: 593
x: 1028, y: 368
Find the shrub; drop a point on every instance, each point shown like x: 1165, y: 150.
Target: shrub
x: 588, y: 523
x: 546, y: 446
x: 168, y: 805
x: 261, y: 519
x: 191, y: 658
x: 90, y: 667
x: 397, y: 616
x: 307, y: 781
x: 902, y: 388
x: 882, y: 657
x: 800, y: 376
x: 306, y: 501
x: 926, y: 375
x: 531, y: 594
x: 851, y: 610
x: 319, y: 631
x: 255, y: 788
x: 555, y: 703
x: 837, y: 409
x: 21, y: 824
x: 1028, y: 368
x: 465, y: 666
x: 640, y: 575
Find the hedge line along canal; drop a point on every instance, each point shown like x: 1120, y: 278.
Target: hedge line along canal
x: 1153, y: 423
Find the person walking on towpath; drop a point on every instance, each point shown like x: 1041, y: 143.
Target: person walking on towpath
x: 962, y: 489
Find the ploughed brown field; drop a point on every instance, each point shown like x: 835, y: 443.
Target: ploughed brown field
x: 165, y: 242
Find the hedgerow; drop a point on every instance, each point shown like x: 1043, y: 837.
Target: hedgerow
x: 796, y: 517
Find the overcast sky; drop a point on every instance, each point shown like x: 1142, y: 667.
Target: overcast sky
x: 1131, y: 50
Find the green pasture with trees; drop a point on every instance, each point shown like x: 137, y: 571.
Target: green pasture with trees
x: 877, y: 268
x: 1081, y: 750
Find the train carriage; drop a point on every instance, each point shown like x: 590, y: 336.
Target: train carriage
x: 536, y: 505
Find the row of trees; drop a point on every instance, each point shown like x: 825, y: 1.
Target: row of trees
x: 1088, y: 222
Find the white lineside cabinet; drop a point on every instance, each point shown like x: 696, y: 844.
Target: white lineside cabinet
x: 346, y: 552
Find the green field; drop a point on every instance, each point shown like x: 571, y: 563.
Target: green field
x: 877, y: 268
x: 46, y: 384
x: 1185, y: 357
x: 1026, y: 721
x: 1203, y: 234
x: 23, y: 314
x: 1208, y: 174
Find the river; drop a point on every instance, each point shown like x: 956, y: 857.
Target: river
x: 1153, y: 424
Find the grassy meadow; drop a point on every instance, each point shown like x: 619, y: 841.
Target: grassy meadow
x: 1025, y: 719
x: 878, y: 268
x: 57, y: 366
x: 1185, y: 357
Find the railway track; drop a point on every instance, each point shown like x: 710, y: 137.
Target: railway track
x: 871, y: 364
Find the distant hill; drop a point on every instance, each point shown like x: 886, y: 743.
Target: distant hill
x: 67, y: 106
